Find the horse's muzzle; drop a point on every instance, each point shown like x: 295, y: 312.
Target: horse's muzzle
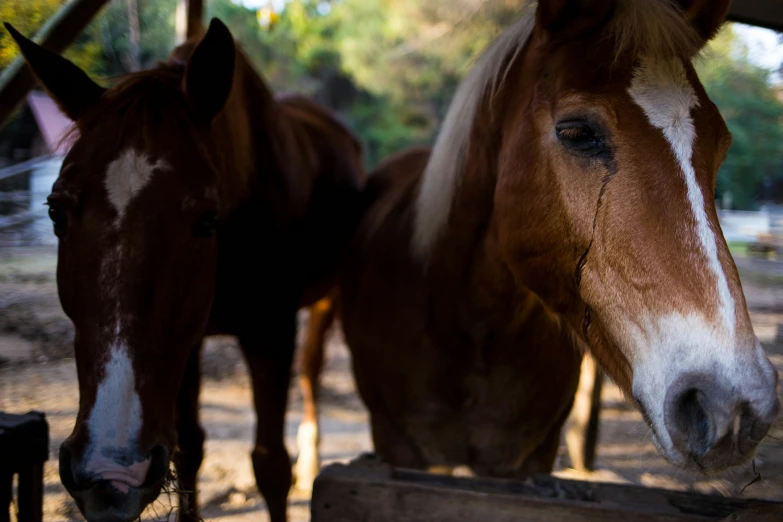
x: 714, y: 426
x: 113, y: 496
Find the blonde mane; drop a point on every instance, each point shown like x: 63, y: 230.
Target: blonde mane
x: 655, y: 28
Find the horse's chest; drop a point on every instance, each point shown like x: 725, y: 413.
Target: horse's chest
x: 494, y: 414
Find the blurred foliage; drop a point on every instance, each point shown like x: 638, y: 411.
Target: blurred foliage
x: 101, y: 48
x: 390, y: 67
x: 28, y: 16
x: 753, y: 112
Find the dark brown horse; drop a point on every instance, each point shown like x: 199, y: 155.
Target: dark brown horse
x: 192, y: 202
x: 566, y: 205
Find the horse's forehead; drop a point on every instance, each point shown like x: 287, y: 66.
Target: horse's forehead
x: 128, y: 174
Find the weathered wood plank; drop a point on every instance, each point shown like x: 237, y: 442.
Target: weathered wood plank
x: 195, y: 17
x: 764, y: 13
x: 56, y: 35
x: 370, y: 491
x: 757, y: 514
x: 24, y: 447
x: 189, y: 21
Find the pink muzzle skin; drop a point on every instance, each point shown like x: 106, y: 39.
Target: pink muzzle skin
x: 121, y: 477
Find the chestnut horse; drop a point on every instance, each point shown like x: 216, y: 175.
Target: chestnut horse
x: 567, y: 204
x: 191, y: 202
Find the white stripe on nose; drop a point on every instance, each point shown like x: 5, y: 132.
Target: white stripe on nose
x: 115, y: 420
x: 662, y: 90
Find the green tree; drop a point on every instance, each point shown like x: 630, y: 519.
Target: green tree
x: 28, y: 16
x: 754, y: 114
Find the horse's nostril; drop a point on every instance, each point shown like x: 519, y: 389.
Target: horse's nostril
x: 693, y: 423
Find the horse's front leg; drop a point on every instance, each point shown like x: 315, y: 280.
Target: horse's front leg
x: 309, y: 362
x: 190, y: 450
x: 269, y: 353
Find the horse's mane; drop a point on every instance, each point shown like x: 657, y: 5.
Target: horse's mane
x: 651, y: 27
x: 147, y: 98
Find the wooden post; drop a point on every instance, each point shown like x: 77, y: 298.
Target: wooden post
x: 189, y: 19
x: 6, y: 492
x: 24, y: 447
x: 30, y: 493
x: 582, y: 426
x: 195, y: 17
x: 56, y: 35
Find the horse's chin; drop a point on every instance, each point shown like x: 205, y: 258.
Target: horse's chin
x: 704, y: 467
x: 114, y: 501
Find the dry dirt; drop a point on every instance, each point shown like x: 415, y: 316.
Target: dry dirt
x: 37, y: 373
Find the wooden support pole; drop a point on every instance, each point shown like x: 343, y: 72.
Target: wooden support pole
x: 30, y: 496
x: 582, y: 428
x: 189, y: 21
x: 6, y: 492
x: 195, y: 17
x: 757, y: 514
x: 56, y: 35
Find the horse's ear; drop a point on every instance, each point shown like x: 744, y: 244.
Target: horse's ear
x: 706, y: 16
x: 564, y: 19
x: 209, y: 74
x: 70, y: 87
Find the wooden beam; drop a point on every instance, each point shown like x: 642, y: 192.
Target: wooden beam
x: 189, y: 19
x: 195, y: 17
x: 763, y: 13
x: 371, y: 491
x: 757, y: 514
x: 56, y: 35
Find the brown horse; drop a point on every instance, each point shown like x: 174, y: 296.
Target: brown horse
x: 192, y: 202
x: 567, y: 204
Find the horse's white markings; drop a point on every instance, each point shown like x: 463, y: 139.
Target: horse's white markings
x: 662, y: 90
x: 308, y: 463
x: 670, y: 344
x: 115, y: 421
x: 126, y: 176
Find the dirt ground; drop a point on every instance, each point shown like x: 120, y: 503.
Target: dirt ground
x: 37, y: 372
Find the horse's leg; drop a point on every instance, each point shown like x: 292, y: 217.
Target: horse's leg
x: 190, y: 452
x: 310, y: 361
x: 269, y: 360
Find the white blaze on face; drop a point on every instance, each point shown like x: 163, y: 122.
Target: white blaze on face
x: 667, y: 344
x: 115, y: 421
x: 662, y: 90
x: 126, y: 176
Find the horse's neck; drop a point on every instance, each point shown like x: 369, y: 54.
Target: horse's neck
x: 469, y: 262
x: 258, y: 146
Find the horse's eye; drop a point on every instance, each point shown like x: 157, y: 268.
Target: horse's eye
x: 205, y: 224
x: 580, y: 137
x: 59, y: 219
